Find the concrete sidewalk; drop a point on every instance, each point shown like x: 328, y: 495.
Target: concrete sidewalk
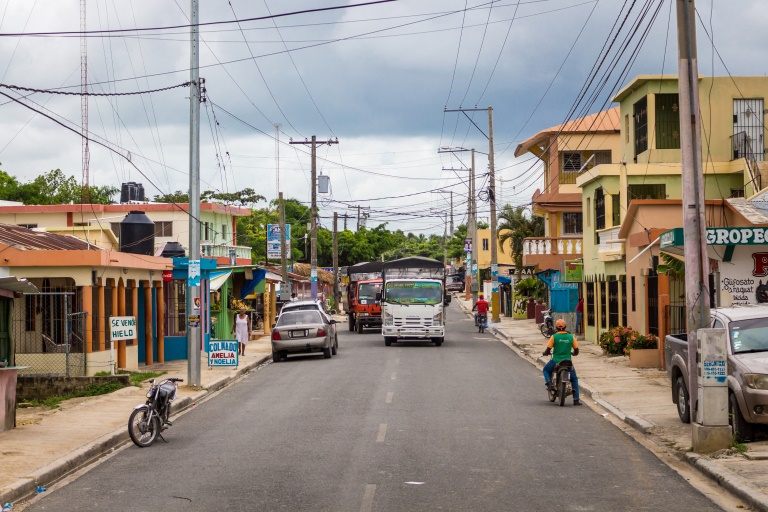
x: 641, y: 398
x: 49, y: 444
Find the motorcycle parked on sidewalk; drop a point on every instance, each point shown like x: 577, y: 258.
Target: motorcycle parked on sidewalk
x: 547, y: 327
x: 561, y: 382
x: 481, y: 321
x: 148, y: 420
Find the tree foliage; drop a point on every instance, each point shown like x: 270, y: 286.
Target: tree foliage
x: 54, y: 187
x: 515, y: 226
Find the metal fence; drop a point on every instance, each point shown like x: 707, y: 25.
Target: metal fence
x: 48, y: 332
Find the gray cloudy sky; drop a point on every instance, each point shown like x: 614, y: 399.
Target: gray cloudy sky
x: 377, y: 77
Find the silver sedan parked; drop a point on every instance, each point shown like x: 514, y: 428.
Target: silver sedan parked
x: 303, y: 331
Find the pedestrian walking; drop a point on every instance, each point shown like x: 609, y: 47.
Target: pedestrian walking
x: 579, y: 315
x: 242, y: 330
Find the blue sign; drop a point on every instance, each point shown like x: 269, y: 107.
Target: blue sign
x: 193, y: 273
x: 222, y: 353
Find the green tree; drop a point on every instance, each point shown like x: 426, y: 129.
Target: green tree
x: 515, y: 226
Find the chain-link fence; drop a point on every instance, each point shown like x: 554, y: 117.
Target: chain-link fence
x: 48, y: 332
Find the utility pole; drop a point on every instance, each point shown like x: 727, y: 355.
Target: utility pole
x: 313, y: 228
x: 358, y: 218
x: 451, y: 232
x: 336, y: 260
x: 193, y: 279
x: 445, y: 239
x: 495, y: 305
x: 473, y: 232
x: 283, y: 253
x: 694, y: 225
x: 492, y: 198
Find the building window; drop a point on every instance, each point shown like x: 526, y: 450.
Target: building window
x: 572, y: 222
x: 615, y: 210
x: 28, y: 226
x: 633, y: 293
x: 667, y: 121
x: 224, y: 238
x: 640, y: 115
x: 174, y: 293
x: 646, y: 192
x: 626, y: 128
x: 737, y: 192
x: 163, y: 228
x: 485, y: 244
x: 599, y: 209
x: 603, y: 157
x: 570, y: 168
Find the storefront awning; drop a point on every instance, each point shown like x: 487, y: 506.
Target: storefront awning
x: 218, y: 278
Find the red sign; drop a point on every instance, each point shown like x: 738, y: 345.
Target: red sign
x: 167, y: 275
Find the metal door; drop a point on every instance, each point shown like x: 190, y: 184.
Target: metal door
x: 653, y: 303
x: 748, y: 119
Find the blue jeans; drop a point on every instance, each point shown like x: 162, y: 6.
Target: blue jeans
x: 550, y: 367
x: 579, y: 316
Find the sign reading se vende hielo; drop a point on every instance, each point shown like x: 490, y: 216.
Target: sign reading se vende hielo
x: 122, y: 328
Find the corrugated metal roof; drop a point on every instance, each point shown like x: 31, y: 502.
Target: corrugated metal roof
x: 17, y: 284
x: 755, y: 212
x: 31, y: 240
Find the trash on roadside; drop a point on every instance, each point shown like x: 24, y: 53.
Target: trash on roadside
x: 40, y: 489
x: 415, y: 483
x: 604, y: 415
x: 7, y: 506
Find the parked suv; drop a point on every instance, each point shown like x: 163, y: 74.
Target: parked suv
x: 747, y: 334
x: 454, y: 283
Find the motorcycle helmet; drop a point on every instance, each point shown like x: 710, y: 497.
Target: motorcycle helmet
x: 560, y: 324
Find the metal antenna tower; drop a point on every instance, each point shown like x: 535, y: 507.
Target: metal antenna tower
x: 86, y: 187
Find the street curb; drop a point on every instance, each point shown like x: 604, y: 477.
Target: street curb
x: 47, y: 475
x: 734, y: 485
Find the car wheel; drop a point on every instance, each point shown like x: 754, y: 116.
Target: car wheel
x: 276, y: 356
x: 683, y: 401
x: 359, y: 327
x: 351, y: 323
x: 437, y: 341
x: 327, y: 353
x: 388, y: 340
x: 335, y: 347
x: 742, y: 431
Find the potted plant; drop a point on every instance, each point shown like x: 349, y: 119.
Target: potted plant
x: 643, y: 351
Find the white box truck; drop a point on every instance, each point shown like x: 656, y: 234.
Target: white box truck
x: 413, y: 300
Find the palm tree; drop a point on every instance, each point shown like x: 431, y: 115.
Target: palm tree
x: 515, y: 226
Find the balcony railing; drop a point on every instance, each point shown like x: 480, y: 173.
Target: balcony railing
x: 540, y: 245
x: 210, y: 250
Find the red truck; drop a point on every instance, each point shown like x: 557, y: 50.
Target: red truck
x: 363, y: 309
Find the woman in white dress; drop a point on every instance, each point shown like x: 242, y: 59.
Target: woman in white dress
x: 242, y: 329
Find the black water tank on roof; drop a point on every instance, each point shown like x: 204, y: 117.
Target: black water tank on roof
x: 131, y: 191
x: 173, y: 250
x: 137, y: 234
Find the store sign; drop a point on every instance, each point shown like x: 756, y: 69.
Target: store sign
x: 573, y: 271
x: 122, y: 328
x: 525, y: 271
x: 223, y: 353
x: 737, y: 236
x: 167, y: 275
x: 274, y: 241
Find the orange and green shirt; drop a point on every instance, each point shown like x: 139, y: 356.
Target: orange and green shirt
x: 562, y: 343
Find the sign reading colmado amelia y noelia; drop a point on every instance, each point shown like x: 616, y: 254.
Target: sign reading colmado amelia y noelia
x: 223, y: 353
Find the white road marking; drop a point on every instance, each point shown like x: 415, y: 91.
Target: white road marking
x: 390, y: 394
x: 367, y: 505
x: 382, y: 433
x: 394, y: 376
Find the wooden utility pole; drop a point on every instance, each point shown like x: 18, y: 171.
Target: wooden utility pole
x: 313, y: 224
x: 336, y: 260
x: 495, y: 305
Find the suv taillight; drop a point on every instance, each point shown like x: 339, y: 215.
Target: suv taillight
x: 276, y: 335
x: 320, y: 332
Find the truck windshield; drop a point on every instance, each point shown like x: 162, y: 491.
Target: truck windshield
x: 369, y: 290
x: 749, y: 335
x: 414, y: 292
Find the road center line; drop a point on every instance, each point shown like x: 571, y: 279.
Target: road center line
x: 390, y: 394
x: 394, y: 376
x: 382, y: 433
x: 367, y: 505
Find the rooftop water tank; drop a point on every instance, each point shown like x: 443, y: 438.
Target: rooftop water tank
x: 131, y: 191
x: 137, y: 234
x: 173, y: 250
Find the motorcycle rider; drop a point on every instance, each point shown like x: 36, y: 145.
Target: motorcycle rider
x: 481, y: 306
x: 561, y: 345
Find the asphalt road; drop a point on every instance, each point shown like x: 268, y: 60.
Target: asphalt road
x: 411, y: 427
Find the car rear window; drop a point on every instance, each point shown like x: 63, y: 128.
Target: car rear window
x: 299, y: 317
